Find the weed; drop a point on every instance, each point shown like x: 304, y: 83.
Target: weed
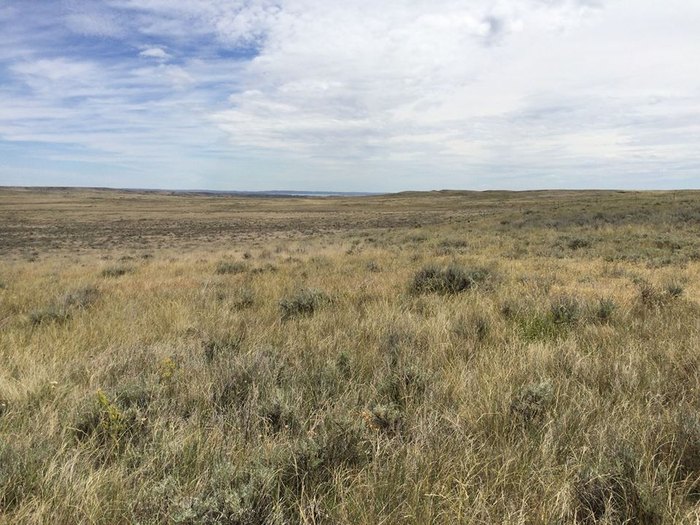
x: 538, y: 327
x: 166, y: 369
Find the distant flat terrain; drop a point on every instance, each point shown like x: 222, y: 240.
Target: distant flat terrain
x: 77, y: 220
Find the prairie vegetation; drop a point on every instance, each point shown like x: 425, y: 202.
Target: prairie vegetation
x: 447, y: 357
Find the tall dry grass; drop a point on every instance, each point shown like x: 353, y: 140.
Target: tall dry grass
x: 432, y: 375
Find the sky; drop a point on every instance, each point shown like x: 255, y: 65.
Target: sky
x: 350, y: 95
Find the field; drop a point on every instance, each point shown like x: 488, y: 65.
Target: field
x: 442, y: 357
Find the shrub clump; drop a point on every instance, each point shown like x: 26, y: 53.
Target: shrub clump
x: 231, y: 267
x: 605, y: 310
x: 109, y: 425
x: 81, y: 298
x: 532, y: 403
x: 451, y: 280
x: 60, y: 310
x: 228, y: 496
x: 612, y: 493
x: 686, y: 450
x: 384, y: 418
x: 373, y: 266
x: 305, y: 302
x: 51, y: 314
x: 245, y: 298
x: 565, y: 310
x: 336, y: 444
x: 650, y: 295
x: 278, y: 416
x: 116, y: 271
x: 577, y: 243
x: 674, y: 290
x: 227, y: 344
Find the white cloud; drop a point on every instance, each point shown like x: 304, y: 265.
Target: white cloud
x: 486, y: 88
x: 155, y: 52
x: 444, y: 80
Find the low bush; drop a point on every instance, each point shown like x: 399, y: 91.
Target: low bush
x: 384, y: 418
x: 530, y: 404
x: 685, y: 450
x: 50, y: 314
x: 116, y: 271
x: 244, y: 298
x: 612, y: 493
x: 605, y: 310
x: 577, y: 243
x: 81, y: 298
x: 674, y: 290
x: 224, y: 345
x: 304, y: 302
x: 565, y: 310
x: 231, y: 267
x: 312, y: 461
x: 110, y: 426
x: 451, y: 280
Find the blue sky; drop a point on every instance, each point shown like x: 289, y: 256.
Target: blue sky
x: 351, y: 95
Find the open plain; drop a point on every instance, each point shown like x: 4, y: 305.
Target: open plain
x: 442, y: 357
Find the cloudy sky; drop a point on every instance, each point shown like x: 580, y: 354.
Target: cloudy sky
x: 352, y: 95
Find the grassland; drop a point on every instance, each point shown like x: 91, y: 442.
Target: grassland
x: 446, y: 357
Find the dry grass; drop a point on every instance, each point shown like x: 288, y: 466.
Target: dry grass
x: 293, y: 361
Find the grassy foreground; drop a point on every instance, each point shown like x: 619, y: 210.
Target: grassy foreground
x: 418, y: 358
